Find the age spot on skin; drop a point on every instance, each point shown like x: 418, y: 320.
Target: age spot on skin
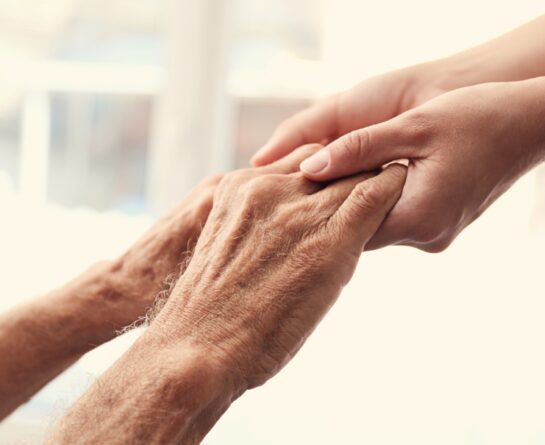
x: 148, y: 272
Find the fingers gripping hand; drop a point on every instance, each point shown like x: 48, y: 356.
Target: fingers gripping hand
x: 365, y: 149
x: 372, y: 101
x: 259, y: 280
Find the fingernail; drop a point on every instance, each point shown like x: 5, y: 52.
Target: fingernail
x: 316, y: 163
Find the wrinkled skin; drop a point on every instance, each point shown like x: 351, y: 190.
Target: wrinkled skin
x: 274, y: 255
x: 272, y: 258
x: 162, y: 253
x: 43, y: 337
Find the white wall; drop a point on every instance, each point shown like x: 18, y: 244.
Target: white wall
x: 364, y: 37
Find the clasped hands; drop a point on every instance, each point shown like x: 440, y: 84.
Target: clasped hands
x: 273, y: 256
x: 274, y: 253
x: 279, y: 242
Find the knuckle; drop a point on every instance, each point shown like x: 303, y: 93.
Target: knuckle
x: 354, y: 144
x: 367, y: 195
x: 261, y: 188
x: 261, y: 183
x: 299, y: 183
x: 211, y: 181
x: 418, y: 126
x: 236, y: 178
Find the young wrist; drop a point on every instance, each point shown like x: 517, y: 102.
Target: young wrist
x: 426, y: 81
x: 483, y: 64
x: 443, y: 75
x: 527, y: 104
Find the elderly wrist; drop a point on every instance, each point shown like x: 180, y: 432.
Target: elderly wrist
x: 141, y: 273
x: 163, y: 390
x: 83, y: 308
x: 101, y: 297
x: 205, y: 384
x: 187, y: 351
x: 180, y: 325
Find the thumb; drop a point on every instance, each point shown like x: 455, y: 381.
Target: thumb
x: 365, y: 149
x: 363, y: 212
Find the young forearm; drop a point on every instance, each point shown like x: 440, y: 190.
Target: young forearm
x: 42, y: 338
x: 517, y: 55
x: 528, y: 104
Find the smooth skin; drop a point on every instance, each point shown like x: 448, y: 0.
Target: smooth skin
x: 42, y: 338
x: 467, y: 142
x: 257, y: 285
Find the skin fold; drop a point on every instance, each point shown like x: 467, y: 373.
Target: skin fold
x: 465, y: 148
x: 257, y: 285
x: 43, y: 337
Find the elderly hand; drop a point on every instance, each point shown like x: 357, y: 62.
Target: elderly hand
x: 161, y: 254
x: 466, y: 148
x: 273, y: 257
x: 46, y: 335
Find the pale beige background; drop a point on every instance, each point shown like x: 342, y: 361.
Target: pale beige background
x: 420, y: 349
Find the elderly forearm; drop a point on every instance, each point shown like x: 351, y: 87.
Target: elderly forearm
x: 517, y: 55
x: 44, y: 337
x: 40, y: 339
x: 164, y: 390
x: 243, y: 307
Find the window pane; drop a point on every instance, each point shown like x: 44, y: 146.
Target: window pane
x: 256, y: 120
x: 105, y: 31
x: 117, y: 31
x: 99, y: 151
x: 9, y: 144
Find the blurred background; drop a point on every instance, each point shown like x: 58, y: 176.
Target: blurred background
x: 110, y: 111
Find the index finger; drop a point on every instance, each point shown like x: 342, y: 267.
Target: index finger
x: 316, y: 124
